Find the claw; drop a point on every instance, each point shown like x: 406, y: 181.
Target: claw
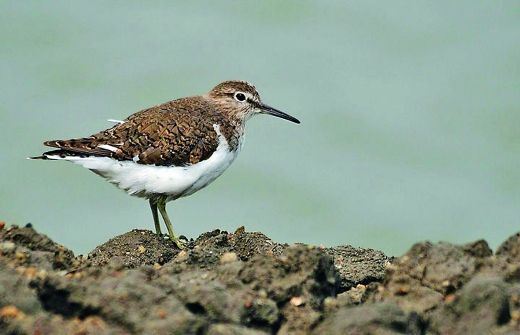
x: 180, y: 244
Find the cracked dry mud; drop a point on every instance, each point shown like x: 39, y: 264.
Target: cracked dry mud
x: 244, y: 283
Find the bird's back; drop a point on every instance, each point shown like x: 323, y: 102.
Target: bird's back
x: 176, y: 133
x: 172, y: 149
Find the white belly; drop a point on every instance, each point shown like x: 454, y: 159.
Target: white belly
x: 147, y: 180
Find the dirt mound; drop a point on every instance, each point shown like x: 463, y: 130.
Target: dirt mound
x: 244, y: 283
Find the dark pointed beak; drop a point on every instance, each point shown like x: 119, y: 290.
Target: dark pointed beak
x: 275, y: 112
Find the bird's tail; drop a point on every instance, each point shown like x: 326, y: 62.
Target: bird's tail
x: 51, y: 155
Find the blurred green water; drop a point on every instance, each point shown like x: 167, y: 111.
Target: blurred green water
x: 410, y: 115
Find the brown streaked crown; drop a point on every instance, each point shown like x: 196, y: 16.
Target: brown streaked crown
x: 230, y: 87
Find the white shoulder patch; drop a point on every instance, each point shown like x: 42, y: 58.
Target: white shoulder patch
x: 107, y: 147
x: 217, y: 128
x: 116, y: 121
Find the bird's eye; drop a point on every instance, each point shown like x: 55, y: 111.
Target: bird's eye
x: 239, y: 96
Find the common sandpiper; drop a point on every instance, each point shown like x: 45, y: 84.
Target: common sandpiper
x: 171, y: 150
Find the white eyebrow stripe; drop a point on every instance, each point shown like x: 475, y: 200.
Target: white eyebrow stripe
x: 116, y: 121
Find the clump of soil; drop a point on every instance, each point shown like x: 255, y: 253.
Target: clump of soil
x: 244, y: 283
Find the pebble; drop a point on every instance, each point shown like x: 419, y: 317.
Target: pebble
x: 20, y: 256
x: 11, y: 312
x: 228, y: 257
x: 181, y: 256
x: 7, y: 247
x: 297, y: 301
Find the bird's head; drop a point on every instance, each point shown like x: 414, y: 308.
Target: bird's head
x: 241, y: 99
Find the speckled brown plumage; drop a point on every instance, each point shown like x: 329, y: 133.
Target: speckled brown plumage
x: 171, y: 150
x: 177, y: 132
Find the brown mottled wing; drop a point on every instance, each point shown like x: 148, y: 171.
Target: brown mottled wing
x: 175, y: 133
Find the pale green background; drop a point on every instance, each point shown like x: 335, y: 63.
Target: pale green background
x: 410, y: 115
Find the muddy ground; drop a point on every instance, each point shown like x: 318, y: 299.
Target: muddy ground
x: 244, y: 283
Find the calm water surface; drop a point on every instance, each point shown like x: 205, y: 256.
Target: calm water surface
x: 410, y: 115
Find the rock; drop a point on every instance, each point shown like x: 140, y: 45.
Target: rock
x: 374, y: 319
x: 455, y: 289
x: 227, y: 329
x: 249, y: 244
x: 243, y: 280
x: 125, y: 298
x: 209, y: 248
x: 244, y: 283
x: 133, y: 249
x: 228, y: 257
x: 299, y: 271
x: 15, y: 290
x: 481, y: 307
x: 7, y: 247
x: 261, y: 313
x: 299, y: 320
x: 479, y: 249
x: 297, y: 301
x: 442, y: 267
x: 43, y: 251
x: 408, y: 293
x: 510, y: 249
x: 358, y: 265
x: 57, y: 325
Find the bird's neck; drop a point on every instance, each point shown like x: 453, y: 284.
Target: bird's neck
x: 234, y: 131
x: 232, y: 123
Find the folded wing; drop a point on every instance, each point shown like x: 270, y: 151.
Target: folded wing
x: 165, y: 135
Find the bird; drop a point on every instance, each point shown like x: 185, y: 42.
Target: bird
x: 170, y: 150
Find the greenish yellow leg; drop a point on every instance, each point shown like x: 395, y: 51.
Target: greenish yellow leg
x: 162, y: 209
x: 153, y: 206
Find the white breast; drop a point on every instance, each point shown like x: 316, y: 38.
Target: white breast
x: 175, y: 181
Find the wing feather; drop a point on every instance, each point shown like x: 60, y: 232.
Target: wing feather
x: 179, y: 132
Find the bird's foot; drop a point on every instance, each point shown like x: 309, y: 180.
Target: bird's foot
x: 178, y: 242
